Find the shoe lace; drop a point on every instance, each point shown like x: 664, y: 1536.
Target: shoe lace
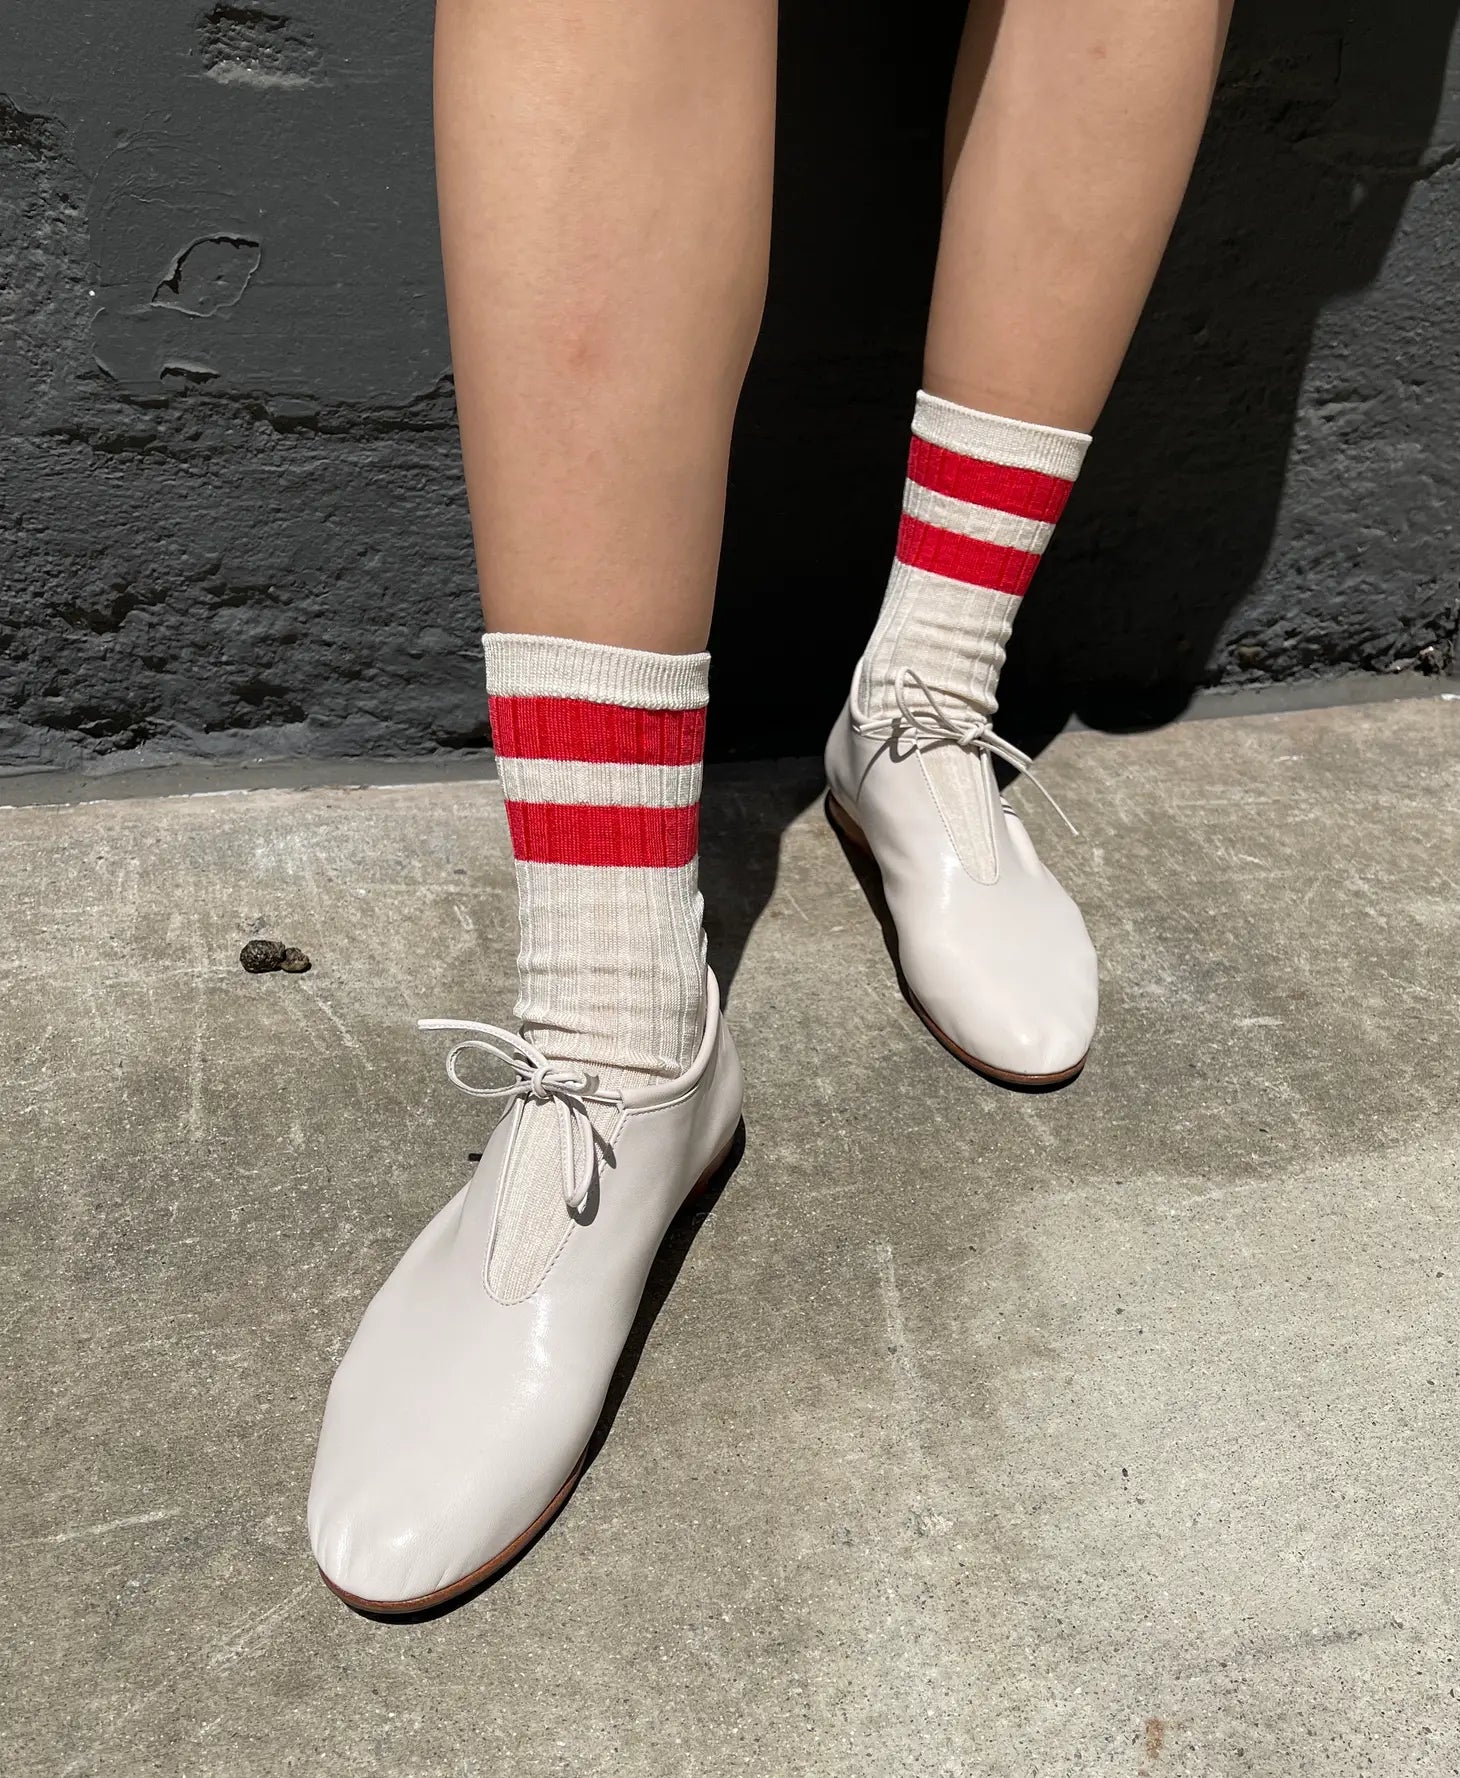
x: 569, y: 1090
x: 946, y: 717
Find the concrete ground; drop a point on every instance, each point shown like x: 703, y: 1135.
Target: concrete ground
x: 1103, y: 1432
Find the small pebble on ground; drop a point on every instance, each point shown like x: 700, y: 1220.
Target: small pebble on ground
x: 261, y: 956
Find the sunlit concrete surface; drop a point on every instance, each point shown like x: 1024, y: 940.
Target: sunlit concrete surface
x: 1102, y: 1432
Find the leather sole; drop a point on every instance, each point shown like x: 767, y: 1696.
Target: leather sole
x: 848, y: 829
x: 478, y: 1577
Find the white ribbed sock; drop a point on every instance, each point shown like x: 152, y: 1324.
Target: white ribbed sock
x: 979, y: 504
x: 600, y: 752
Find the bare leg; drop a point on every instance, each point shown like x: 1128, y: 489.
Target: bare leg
x: 1071, y: 134
x: 604, y: 175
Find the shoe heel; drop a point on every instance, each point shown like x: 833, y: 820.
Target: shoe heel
x: 844, y: 824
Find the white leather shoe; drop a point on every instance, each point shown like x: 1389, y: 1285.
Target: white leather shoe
x: 458, y: 1420
x: 994, y: 955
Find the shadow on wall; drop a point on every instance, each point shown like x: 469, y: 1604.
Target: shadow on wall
x: 236, y: 522
x: 1320, y: 131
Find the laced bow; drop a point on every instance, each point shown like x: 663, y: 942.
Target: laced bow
x: 568, y: 1089
x: 935, y: 721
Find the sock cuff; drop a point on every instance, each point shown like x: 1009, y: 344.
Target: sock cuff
x: 1017, y: 444
x: 521, y: 666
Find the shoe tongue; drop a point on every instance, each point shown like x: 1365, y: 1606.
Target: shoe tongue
x: 967, y: 794
x: 533, y: 1219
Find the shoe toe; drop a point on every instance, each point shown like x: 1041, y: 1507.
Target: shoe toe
x: 423, y: 1471
x: 1019, y: 1008
x: 396, y: 1513
x: 380, y: 1545
x: 1035, y: 1047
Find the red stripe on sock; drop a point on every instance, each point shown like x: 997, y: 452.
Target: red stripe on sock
x: 601, y: 734
x: 1026, y: 493
x: 969, y: 559
x: 580, y: 833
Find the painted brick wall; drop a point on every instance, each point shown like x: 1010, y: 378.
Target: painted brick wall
x: 231, y: 515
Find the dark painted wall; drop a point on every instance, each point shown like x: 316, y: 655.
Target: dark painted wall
x: 231, y: 516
